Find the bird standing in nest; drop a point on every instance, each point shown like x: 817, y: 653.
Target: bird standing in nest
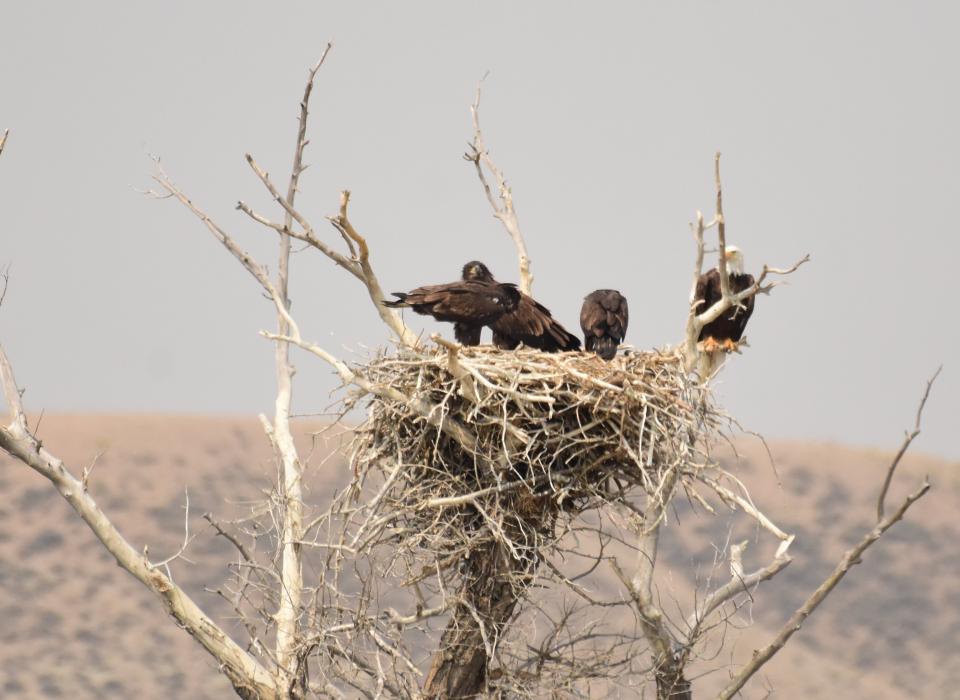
x: 478, y: 300
x: 468, y: 304
x: 530, y: 323
x: 603, y: 318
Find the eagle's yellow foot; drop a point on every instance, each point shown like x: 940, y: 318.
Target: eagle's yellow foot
x: 709, y: 344
x: 730, y: 345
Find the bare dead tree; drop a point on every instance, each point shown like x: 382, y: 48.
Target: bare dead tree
x: 490, y: 493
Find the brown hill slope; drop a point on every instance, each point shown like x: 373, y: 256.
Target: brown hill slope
x: 77, y: 626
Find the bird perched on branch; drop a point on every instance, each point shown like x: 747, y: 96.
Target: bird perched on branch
x: 724, y: 332
x: 603, y: 318
x: 478, y: 300
x: 530, y: 323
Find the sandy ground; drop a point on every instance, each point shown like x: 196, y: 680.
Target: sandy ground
x: 74, y: 625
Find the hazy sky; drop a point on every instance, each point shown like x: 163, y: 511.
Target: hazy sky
x: 838, y: 123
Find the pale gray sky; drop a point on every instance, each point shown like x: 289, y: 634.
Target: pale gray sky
x: 838, y: 124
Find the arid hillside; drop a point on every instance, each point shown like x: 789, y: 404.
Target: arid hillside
x: 74, y: 625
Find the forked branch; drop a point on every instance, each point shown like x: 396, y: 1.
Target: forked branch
x: 740, y: 583
x: 291, y: 665
x: 699, y: 317
x: 907, y: 440
x: 257, y: 270
x: 502, y: 203
x: 357, y: 264
x: 668, y: 663
x: 342, y: 223
x: 249, y: 678
x: 849, y: 559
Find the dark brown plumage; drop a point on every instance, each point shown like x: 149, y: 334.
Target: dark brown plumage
x: 727, y: 330
x: 468, y: 304
x: 603, y: 318
x: 530, y: 323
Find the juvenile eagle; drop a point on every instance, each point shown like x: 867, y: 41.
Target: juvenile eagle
x: 529, y: 323
x: 468, y: 304
x: 603, y: 318
x: 724, y: 333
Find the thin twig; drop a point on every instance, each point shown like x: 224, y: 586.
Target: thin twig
x: 504, y: 211
x: 243, y: 670
x: 850, y: 558
x: 739, y: 583
x: 229, y: 537
x: 907, y: 440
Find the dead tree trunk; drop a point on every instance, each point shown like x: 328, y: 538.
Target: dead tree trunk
x: 671, y: 684
x: 493, y: 583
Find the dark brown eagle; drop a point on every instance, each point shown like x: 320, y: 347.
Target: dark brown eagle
x: 468, y: 304
x: 725, y: 332
x: 603, y: 318
x: 478, y: 300
x: 530, y: 323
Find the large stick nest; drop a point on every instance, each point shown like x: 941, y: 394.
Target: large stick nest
x: 547, y: 433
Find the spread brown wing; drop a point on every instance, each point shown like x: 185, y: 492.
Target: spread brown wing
x: 477, y: 303
x: 469, y: 305
x: 531, y: 324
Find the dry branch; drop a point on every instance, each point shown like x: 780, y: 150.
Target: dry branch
x: 342, y: 223
x: 504, y: 211
x: 907, y: 441
x: 358, y: 265
x: 257, y: 270
x: 698, y: 318
x: 740, y: 583
x: 249, y: 678
x: 291, y: 569
x: 849, y: 559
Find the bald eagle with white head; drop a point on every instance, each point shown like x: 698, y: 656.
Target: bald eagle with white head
x: 723, y: 334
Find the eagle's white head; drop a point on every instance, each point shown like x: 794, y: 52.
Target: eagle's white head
x: 734, y: 258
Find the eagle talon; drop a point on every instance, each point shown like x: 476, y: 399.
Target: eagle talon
x: 730, y: 345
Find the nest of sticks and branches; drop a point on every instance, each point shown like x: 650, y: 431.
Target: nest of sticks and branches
x: 470, y: 483
x: 548, y: 433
